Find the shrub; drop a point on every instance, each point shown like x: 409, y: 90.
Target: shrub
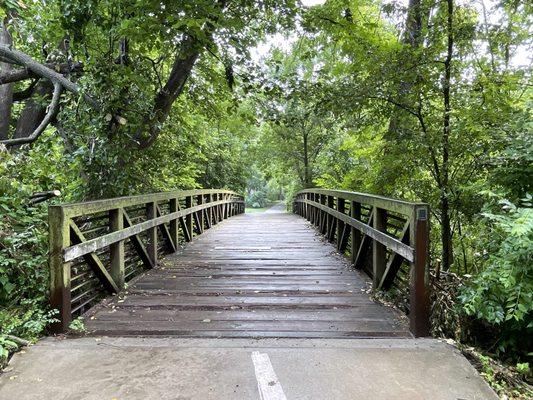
x: 502, y: 293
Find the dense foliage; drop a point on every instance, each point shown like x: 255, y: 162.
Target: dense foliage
x: 440, y: 111
x: 421, y: 99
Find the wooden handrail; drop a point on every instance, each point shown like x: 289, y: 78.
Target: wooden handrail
x: 102, y: 257
x: 338, y: 215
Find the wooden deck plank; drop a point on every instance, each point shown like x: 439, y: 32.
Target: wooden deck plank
x: 251, y: 276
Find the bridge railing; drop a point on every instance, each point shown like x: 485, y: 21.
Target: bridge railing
x: 381, y: 235
x: 97, y: 246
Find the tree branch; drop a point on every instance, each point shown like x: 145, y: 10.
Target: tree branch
x: 44, y: 72
x: 52, y: 110
x: 25, y: 73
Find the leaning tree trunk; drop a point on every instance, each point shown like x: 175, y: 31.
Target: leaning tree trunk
x: 37, y: 106
x: 6, y: 90
x: 190, y: 49
x: 34, y: 109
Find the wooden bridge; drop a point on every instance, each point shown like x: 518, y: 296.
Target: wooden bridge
x: 167, y: 264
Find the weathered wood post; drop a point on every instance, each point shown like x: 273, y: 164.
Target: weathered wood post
x: 225, y: 206
x: 209, y: 211
x: 330, y: 231
x: 59, y: 239
x: 419, y: 296
x: 173, y: 224
x: 188, y: 217
x: 200, y: 200
x: 341, y: 207
x: 323, y: 215
x: 315, y: 210
x: 355, y: 212
x: 216, y: 210
x: 379, y: 251
x: 116, y: 250
x: 151, y: 244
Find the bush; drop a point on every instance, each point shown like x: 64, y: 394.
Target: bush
x: 258, y: 199
x: 24, y: 275
x: 502, y: 293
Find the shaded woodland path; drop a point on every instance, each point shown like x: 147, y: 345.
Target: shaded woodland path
x: 253, y: 276
x: 259, y: 306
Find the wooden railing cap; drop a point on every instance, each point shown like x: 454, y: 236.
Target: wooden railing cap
x: 90, y: 207
x: 400, y: 206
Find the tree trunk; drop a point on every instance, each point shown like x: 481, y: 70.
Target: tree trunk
x: 6, y: 90
x: 412, y: 36
x: 189, y: 52
x: 307, y: 171
x: 34, y: 109
x: 447, y: 250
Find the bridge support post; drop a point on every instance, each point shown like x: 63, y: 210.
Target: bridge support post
x: 355, y: 212
x: 200, y: 200
x: 151, y: 245
x: 226, y: 207
x: 188, y: 217
x: 330, y: 230
x: 316, y: 211
x: 307, y: 208
x: 173, y: 224
x: 341, y: 207
x: 323, y: 216
x: 379, y: 250
x: 418, y: 293
x: 216, y: 210
x: 209, y: 212
x: 116, y: 250
x: 59, y: 239
x: 314, y: 219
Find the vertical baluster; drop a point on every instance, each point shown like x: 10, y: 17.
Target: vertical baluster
x: 116, y: 250
x: 173, y: 225
x: 200, y: 200
x: 210, y: 210
x: 340, y: 223
x: 379, y: 251
x: 188, y: 217
x: 323, y: 215
x: 314, y: 214
x: 151, y: 245
x: 317, y: 215
x: 355, y: 211
x: 225, y: 206
x: 330, y: 230
x: 215, y: 210
x: 221, y: 208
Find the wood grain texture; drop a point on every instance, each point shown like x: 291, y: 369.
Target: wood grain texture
x: 251, y: 276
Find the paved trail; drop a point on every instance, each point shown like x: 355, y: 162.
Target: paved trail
x: 259, y: 307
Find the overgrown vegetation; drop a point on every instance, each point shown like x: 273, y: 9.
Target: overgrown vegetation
x: 421, y: 99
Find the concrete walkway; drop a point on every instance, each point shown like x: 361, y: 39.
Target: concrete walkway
x: 241, y: 369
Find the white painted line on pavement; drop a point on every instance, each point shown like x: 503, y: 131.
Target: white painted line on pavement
x: 267, y: 382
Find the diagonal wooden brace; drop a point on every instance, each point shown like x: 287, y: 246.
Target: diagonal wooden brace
x: 94, y: 261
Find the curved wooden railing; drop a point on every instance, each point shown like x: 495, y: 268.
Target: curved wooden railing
x: 97, y: 246
x: 381, y: 235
